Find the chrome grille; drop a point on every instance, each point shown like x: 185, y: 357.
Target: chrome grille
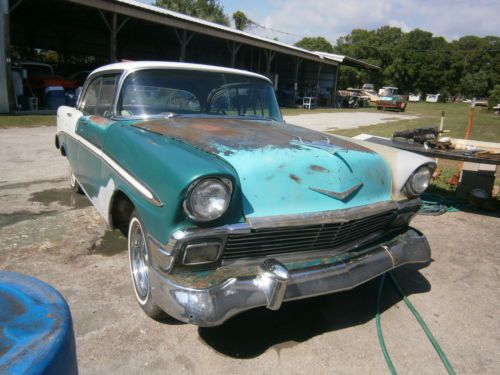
x: 264, y: 242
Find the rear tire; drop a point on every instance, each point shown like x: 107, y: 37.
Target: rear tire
x: 73, y: 183
x: 140, y: 265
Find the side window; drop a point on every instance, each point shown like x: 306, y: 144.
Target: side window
x: 91, y: 97
x: 105, y: 101
x: 98, y: 98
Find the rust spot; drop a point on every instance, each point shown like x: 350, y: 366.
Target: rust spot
x: 318, y: 168
x: 217, y: 135
x: 99, y: 120
x: 295, y: 178
x: 228, y: 152
x: 49, y: 315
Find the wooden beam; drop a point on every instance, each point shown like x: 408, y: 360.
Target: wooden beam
x: 184, y: 37
x: 233, y: 50
x: 269, y: 59
x: 114, y: 29
x: 218, y: 32
x: 15, y: 5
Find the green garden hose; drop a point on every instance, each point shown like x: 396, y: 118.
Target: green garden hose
x: 435, y: 204
x: 420, y: 321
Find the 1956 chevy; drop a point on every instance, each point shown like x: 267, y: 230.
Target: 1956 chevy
x: 227, y: 207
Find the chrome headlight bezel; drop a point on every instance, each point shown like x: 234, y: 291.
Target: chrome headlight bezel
x: 189, y: 206
x: 414, y: 188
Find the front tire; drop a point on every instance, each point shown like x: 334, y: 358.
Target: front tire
x: 140, y: 268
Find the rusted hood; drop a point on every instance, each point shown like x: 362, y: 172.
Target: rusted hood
x: 285, y: 169
x: 217, y: 135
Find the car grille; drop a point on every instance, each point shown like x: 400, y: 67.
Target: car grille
x: 273, y: 241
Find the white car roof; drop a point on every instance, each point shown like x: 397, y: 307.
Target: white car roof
x: 135, y: 65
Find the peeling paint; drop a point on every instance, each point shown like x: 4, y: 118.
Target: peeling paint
x: 319, y: 168
x: 295, y: 178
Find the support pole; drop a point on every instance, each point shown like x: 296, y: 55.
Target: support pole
x: 233, y: 50
x: 317, y: 79
x: 184, y: 37
x: 298, y: 63
x: 114, y: 29
x: 269, y: 59
x: 334, y: 88
x: 6, y: 92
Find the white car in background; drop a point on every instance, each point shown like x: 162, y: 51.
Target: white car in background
x: 414, y: 97
x: 432, y: 98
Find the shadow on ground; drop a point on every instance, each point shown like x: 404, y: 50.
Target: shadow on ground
x: 250, y: 334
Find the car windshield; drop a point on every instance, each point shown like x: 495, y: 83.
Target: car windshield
x: 168, y: 92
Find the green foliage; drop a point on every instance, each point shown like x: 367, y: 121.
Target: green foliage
x: 494, y: 98
x: 417, y: 61
x: 317, y: 43
x: 241, y: 21
x: 209, y: 10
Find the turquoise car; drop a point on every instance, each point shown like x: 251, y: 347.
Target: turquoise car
x: 226, y: 206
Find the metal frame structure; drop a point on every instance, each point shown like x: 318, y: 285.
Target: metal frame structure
x: 123, y: 19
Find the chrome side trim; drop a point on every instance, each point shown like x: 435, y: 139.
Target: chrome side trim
x: 140, y: 187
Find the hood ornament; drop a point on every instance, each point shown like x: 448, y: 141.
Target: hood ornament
x: 342, y: 196
x: 324, y: 144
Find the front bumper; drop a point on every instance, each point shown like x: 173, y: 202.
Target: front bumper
x: 272, y: 282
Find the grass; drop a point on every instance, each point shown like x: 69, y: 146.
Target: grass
x: 486, y: 125
x: 26, y: 121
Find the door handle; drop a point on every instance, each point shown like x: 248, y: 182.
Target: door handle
x: 84, y: 121
x: 69, y: 114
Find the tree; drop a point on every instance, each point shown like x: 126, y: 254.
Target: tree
x: 209, y: 10
x: 418, y: 61
x: 241, y: 21
x: 317, y: 43
x: 494, y: 98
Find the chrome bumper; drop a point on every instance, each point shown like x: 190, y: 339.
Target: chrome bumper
x: 273, y: 282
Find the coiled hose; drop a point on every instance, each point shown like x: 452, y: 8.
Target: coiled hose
x: 434, y: 204
x: 420, y: 321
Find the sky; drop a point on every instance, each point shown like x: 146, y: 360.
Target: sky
x: 334, y: 18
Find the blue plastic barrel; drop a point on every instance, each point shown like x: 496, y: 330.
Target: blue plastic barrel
x: 36, y: 330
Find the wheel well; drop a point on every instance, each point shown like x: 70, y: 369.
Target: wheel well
x: 121, y: 210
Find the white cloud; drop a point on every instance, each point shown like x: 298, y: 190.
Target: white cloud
x: 334, y: 18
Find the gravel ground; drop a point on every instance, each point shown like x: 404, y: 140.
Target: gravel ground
x: 348, y: 120
x: 52, y: 234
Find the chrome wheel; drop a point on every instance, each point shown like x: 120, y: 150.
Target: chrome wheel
x: 139, y: 264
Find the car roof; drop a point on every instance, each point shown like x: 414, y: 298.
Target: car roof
x: 136, y: 65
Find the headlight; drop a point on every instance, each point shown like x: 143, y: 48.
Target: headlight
x: 418, y: 181
x: 208, y: 199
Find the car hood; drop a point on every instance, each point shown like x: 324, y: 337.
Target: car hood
x: 285, y: 169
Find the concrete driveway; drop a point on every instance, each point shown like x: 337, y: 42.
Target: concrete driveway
x: 344, y: 120
x: 48, y: 232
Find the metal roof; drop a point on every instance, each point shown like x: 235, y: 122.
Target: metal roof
x: 136, y: 9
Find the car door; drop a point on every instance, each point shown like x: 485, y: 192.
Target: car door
x: 92, y: 129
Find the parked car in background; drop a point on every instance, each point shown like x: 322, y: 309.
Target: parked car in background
x: 80, y: 76
x: 368, y: 87
x: 432, y: 98
x: 227, y: 207
x: 389, y: 99
x: 387, y: 91
x: 414, y: 97
x: 51, y: 89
